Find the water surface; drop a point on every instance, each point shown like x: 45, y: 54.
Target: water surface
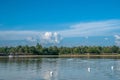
x: 59, y: 69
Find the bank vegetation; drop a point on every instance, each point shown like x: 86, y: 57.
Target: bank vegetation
x: 54, y: 50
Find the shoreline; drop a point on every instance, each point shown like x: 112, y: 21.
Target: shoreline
x: 65, y: 56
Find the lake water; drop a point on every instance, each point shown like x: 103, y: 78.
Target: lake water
x: 59, y: 69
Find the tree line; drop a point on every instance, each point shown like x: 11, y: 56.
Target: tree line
x: 54, y: 50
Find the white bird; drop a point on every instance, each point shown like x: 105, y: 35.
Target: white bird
x: 89, y: 69
x: 112, y: 67
x: 10, y: 56
x: 51, y: 73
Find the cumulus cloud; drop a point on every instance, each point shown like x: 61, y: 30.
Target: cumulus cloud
x: 58, y: 37
x: 117, y: 37
x: 45, y: 38
x: 82, y: 29
x: 47, y: 35
x: 117, y: 40
x: 32, y: 36
x: 52, y: 37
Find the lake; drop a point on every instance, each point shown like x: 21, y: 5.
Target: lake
x: 59, y: 69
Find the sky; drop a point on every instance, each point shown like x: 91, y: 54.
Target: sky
x: 61, y: 22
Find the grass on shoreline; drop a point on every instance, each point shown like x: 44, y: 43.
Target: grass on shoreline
x: 68, y: 55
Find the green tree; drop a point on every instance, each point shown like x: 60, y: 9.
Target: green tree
x: 115, y: 49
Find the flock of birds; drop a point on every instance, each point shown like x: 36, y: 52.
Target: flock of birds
x: 51, y: 72
x: 88, y: 69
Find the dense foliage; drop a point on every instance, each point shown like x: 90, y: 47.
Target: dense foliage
x: 54, y: 50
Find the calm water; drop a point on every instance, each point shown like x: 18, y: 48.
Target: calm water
x: 59, y: 69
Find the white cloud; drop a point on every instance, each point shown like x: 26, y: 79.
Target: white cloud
x: 57, y: 37
x: 98, y: 28
x: 117, y: 37
x: 31, y: 36
x: 31, y: 39
x: 17, y: 35
x: 47, y: 35
x: 51, y: 37
x: 117, y: 40
x: 83, y: 29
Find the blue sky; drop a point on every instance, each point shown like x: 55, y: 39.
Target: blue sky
x: 56, y: 20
